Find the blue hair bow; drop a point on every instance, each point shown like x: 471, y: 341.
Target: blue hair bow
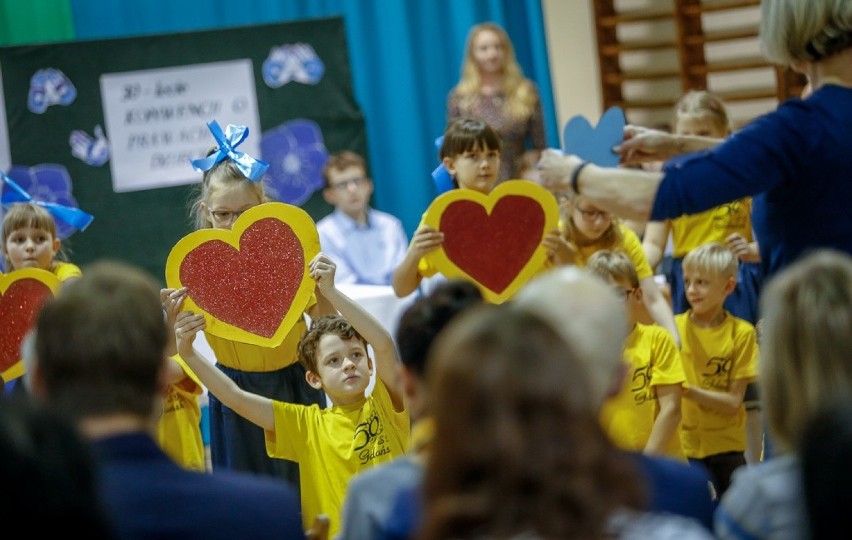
x: 65, y: 214
x: 228, y: 141
x: 442, y: 177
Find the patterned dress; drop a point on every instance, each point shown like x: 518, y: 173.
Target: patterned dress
x: 513, y: 132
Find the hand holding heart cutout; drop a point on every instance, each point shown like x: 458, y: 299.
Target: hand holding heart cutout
x: 595, y: 144
x: 22, y: 293
x: 493, y: 240
x: 251, y: 283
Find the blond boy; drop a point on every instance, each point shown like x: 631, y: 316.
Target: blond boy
x: 720, y: 359
x: 331, y: 445
x: 645, y: 414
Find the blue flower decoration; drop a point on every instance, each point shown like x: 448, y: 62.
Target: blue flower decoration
x: 296, y: 154
x: 48, y: 183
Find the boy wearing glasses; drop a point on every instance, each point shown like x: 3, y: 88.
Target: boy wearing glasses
x: 645, y: 413
x: 720, y: 359
x: 366, y: 244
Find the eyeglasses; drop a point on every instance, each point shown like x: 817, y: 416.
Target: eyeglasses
x: 225, y: 216
x: 592, y: 215
x: 623, y: 294
x: 343, y: 185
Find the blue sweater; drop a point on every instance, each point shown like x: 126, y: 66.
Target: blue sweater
x: 797, y: 164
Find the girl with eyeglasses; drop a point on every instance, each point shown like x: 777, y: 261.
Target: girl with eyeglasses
x: 235, y: 443
x: 588, y: 229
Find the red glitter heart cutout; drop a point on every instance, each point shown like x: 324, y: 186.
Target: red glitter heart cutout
x: 251, y: 288
x: 19, y: 305
x: 493, y: 249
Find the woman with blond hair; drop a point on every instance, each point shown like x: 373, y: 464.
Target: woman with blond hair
x: 493, y: 88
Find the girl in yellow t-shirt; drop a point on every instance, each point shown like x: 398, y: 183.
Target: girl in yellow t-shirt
x: 702, y: 113
x: 588, y: 229
x: 30, y: 240
x: 228, y: 189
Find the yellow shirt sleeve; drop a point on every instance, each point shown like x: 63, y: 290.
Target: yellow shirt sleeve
x: 179, y: 427
x: 332, y: 445
x: 65, y: 271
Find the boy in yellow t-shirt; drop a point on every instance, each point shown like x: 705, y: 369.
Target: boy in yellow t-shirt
x: 720, y: 359
x: 330, y: 445
x: 179, y: 427
x: 645, y: 414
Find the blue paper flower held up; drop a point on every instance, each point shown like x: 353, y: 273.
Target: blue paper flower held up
x: 227, y: 141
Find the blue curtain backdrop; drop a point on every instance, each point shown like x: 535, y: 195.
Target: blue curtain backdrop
x: 405, y: 54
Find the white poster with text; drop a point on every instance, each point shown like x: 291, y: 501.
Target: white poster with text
x: 156, y: 120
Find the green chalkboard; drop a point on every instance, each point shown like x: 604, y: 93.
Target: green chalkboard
x: 141, y: 226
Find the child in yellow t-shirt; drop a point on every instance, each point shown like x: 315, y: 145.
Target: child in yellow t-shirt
x: 179, y: 427
x: 720, y: 359
x: 330, y: 445
x: 31, y: 240
x: 588, y: 229
x: 470, y: 151
x: 227, y: 190
x: 645, y: 414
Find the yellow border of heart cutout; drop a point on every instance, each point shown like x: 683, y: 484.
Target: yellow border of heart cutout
x: 305, y: 230
x: 525, y: 188
x: 48, y: 279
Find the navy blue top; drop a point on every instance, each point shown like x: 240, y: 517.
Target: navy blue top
x: 796, y: 163
x: 677, y: 488
x: 672, y: 486
x: 147, y: 495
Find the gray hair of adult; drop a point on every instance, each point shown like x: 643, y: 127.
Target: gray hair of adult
x: 589, y: 316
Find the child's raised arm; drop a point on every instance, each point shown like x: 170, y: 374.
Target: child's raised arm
x: 406, y: 278
x: 658, y: 307
x: 654, y: 242
x: 322, y: 269
x: 171, y: 309
x: 255, y: 408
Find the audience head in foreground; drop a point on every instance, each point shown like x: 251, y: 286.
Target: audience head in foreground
x: 590, y: 317
x: 518, y: 448
x: 805, y: 368
x: 807, y: 316
x: 48, y: 473
x: 101, y: 358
